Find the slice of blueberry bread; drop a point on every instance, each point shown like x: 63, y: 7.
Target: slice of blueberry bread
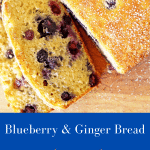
x: 119, y: 27
x: 18, y: 92
x: 50, y: 52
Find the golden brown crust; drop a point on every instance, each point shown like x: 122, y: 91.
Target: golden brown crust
x: 122, y: 32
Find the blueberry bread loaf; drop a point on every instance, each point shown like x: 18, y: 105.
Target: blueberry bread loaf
x: 49, y: 50
x: 18, y: 92
x: 119, y: 27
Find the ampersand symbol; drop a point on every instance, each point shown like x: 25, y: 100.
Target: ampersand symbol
x: 66, y: 130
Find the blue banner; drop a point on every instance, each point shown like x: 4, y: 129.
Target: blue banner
x: 70, y: 131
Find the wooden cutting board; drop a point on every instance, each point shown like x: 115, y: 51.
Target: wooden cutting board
x: 116, y: 93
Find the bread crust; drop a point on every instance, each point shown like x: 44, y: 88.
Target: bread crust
x: 121, y: 32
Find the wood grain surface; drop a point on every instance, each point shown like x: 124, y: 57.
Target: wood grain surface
x: 116, y: 92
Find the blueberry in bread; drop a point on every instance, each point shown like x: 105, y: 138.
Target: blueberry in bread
x: 49, y: 50
x: 119, y: 27
x: 18, y: 92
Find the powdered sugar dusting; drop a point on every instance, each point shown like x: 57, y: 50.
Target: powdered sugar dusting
x: 123, y: 28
